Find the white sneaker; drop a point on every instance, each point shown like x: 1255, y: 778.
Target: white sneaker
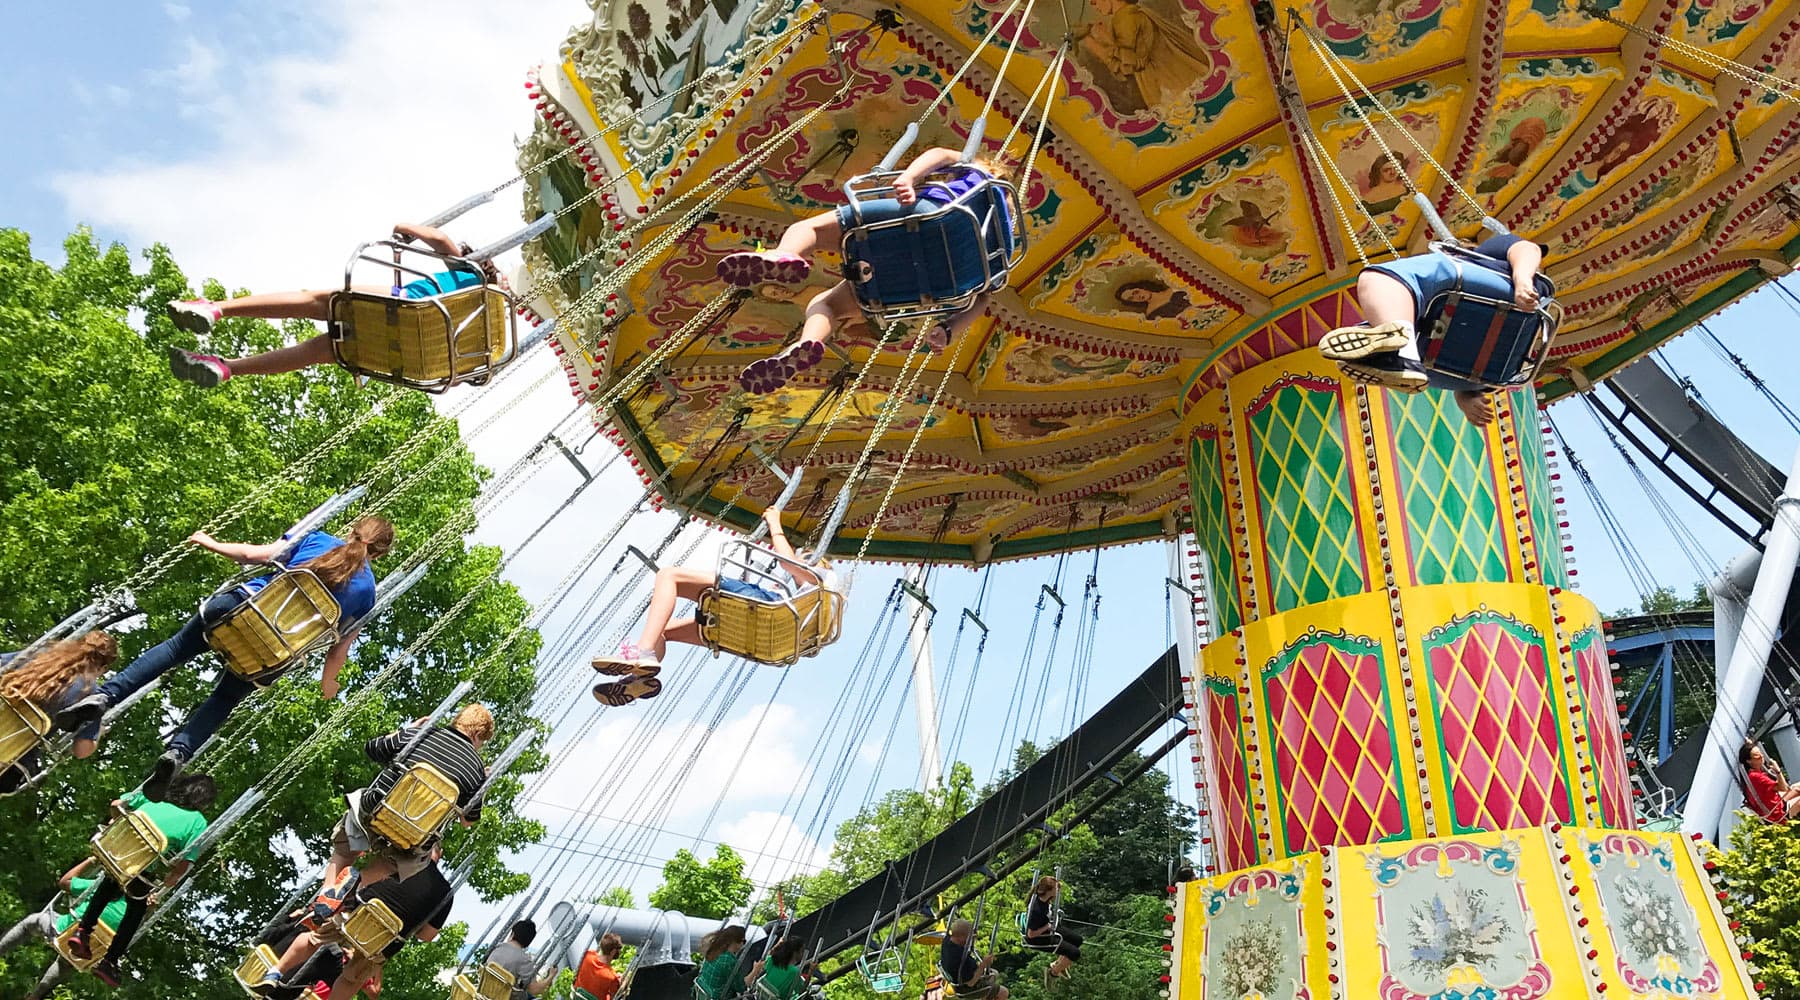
x: 196, y: 316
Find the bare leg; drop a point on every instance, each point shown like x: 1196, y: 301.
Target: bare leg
x: 828, y: 308
x: 682, y: 630
x: 673, y: 583
x: 305, y: 354
x: 1384, y: 299
x: 279, y: 305
x: 802, y: 238
x: 349, y: 983
x: 297, y: 953
x: 335, y: 865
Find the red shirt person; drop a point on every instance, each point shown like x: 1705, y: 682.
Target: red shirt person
x: 1766, y: 792
x: 596, y: 976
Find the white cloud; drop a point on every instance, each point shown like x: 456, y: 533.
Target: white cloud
x: 298, y: 157
x: 773, y: 846
x: 177, y: 12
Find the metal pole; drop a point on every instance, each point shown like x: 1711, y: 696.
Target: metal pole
x: 925, y: 704
x: 1714, y: 779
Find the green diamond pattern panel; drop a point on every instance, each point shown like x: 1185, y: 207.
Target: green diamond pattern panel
x: 1212, y: 524
x: 1453, y: 522
x: 1311, y: 543
x: 1536, y: 474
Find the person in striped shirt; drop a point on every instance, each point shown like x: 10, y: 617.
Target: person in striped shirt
x: 455, y: 750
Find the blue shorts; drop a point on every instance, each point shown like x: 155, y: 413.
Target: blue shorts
x: 732, y: 585
x: 439, y: 283
x: 1428, y: 275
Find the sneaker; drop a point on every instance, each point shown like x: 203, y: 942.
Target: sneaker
x: 1387, y: 370
x: 71, y: 718
x: 271, y: 981
x: 331, y: 900
x: 107, y: 971
x: 203, y: 370
x: 771, y: 373
x: 746, y: 269
x: 78, y: 945
x: 625, y: 692
x: 156, y: 787
x: 1350, y: 343
x: 629, y: 661
x: 196, y: 316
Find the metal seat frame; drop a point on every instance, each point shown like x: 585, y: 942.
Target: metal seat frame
x: 492, y: 324
x: 977, y: 213
x: 798, y: 623
x: 128, y: 848
x: 1435, y: 316
x: 294, y: 643
x: 387, y: 818
x: 24, y: 727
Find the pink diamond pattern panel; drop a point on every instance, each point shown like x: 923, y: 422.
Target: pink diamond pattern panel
x: 1334, y: 747
x: 1231, y: 777
x: 1497, y: 718
x: 1604, y: 736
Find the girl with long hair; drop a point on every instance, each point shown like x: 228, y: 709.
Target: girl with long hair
x: 341, y: 564
x: 720, y: 975
x: 58, y: 676
x: 1765, y: 789
x: 779, y: 974
x: 789, y: 263
x: 1041, y: 930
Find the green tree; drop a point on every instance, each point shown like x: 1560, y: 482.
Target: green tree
x: 712, y: 889
x: 618, y: 896
x: 1761, y: 874
x: 106, y: 460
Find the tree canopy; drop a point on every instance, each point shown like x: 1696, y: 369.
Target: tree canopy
x: 105, y: 460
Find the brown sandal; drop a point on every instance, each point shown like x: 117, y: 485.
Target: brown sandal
x: 625, y: 692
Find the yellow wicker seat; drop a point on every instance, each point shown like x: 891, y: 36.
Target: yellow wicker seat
x: 99, y: 940
x: 128, y: 847
x: 495, y: 983
x: 23, y: 726
x: 799, y: 622
x: 415, y: 810
x: 257, y: 964
x: 429, y: 344
x: 462, y: 988
x: 293, y: 614
x: 369, y: 930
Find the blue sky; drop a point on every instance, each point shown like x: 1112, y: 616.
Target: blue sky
x: 261, y: 141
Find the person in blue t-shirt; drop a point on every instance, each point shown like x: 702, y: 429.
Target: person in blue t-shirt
x: 788, y: 264
x: 341, y: 564
x: 197, y: 316
x: 1384, y: 349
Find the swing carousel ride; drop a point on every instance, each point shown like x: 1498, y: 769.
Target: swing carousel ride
x: 1403, y: 725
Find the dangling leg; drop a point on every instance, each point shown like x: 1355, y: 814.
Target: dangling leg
x: 943, y: 333
x: 199, y: 315
x: 788, y: 263
x: 641, y: 661
x: 826, y: 310
x: 1388, y: 313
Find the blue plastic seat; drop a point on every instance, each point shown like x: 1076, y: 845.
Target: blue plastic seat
x: 933, y: 258
x: 1473, y: 330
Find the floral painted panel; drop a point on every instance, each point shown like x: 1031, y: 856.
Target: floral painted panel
x: 1254, y: 944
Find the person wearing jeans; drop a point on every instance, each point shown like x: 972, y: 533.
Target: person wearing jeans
x: 342, y: 565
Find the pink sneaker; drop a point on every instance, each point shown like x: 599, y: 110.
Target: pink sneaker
x: 196, y: 316
x: 203, y: 370
x: 629, y: 661
x: 748, y: 269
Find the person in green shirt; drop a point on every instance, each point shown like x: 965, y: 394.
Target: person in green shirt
x: 180, y: 819
x: 721, y: 976
x: 47, y: 923
x: 778, y: 976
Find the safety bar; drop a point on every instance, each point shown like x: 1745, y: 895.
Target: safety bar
x: 461, y: 208
x: 1054, y: 596
x: 972, y: 616
x: 918, y: 594
x: 899, y: 148
x: 1432, y: 218
x: 505, y: 243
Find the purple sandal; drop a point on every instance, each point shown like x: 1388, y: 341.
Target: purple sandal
x: 772, y: 373
x: 747, y: 269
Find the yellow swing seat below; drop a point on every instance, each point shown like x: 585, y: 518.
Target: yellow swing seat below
x: 416, y: 809
x: 799, y: 622
x: 99, y: 941
x: 370, y: 930
x: 255, y: 966
x: 428, y: 344
x: 293, y: 614
x: 494, y: 983
x: 129, y: 847
x: 462, y: 988
x: 23, y: 726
